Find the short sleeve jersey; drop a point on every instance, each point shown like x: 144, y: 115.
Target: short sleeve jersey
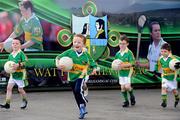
x: 167, y: 73
x: 20, y: 74
x: 80, y: 63
x: 32, y: 30
x: 126, y: 57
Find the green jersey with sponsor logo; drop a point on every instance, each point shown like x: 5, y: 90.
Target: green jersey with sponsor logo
x: 167, y: 73
x: 126, y: 57
x: 20, y: 57
x: 32, y: 30
x: 81, y: 62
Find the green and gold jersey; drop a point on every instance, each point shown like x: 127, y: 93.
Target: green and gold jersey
x: 126, y: 57
x: 20, y: 57
x: 32, y: 30
x: 167, y: 73
x: 80, y: 63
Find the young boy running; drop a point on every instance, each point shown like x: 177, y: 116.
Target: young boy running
x: 18, y: 77
x: 81, y: 61
x: 169, y: 76
x: 126, y: 70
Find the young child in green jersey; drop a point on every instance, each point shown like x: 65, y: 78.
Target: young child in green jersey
x: 169, y: 76
x: 81, y: 61
x: 126, y: 70
x: 18, y: 77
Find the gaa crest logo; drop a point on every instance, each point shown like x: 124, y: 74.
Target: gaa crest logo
x: 95, y: 31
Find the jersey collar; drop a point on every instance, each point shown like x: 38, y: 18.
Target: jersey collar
x: 15, y: 53
x: 27, y: 20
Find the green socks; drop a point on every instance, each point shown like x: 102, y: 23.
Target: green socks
x: 176, y: 97
x: 124, y: 93
x: 164, y: 98
x: 131, y: 93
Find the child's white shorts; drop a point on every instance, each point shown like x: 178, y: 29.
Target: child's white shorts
x: 169, y: 85
x: 124, y: 80
x: 19, y: 83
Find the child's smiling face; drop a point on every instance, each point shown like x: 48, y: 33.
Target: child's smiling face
x: 78, y: 43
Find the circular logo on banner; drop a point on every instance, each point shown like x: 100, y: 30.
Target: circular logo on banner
x: 89, y: 8
x: 64, y: 37
x: 114, y: 38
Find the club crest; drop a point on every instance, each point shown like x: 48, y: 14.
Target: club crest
x: 95, y: 31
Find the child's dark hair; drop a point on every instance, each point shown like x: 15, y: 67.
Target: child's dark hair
x: 18, y: 40
x: 27, y: 4
x: 166, y: 46
x: 124, y: 37
x: 82, y: 37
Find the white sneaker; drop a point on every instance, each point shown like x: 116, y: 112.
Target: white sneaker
x: 24, y: 104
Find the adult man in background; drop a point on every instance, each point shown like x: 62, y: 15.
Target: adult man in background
x: 154, y: 50
x: 30, y: 25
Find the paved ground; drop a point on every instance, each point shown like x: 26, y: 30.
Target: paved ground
x: 103, y: 105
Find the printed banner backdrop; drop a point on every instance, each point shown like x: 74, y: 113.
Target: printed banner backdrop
x: 89, y: 27
x: 78, y: 24
x: 98, y: 39
x: 60, y: 19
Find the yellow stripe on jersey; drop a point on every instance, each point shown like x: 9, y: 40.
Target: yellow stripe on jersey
x: 20, y: 70
x: 77, y: 67
x: 37, y: 38
x: 28, y: 36
x: 168, y: 71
